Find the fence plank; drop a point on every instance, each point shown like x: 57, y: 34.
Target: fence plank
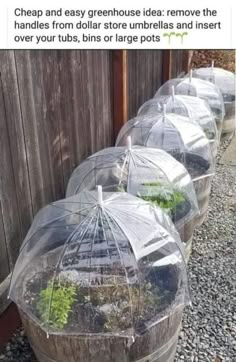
x: 180, y: 61
x: 40, y: 96
x: 4, y: 301
x: 86, y: 123
x: 4, y: 262
x: 16, y: 138
x: 120, y: 100
x: 167, y: 64
x: 8, y: 196
x: 144, y: 77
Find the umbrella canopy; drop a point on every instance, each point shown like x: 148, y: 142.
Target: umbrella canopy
x: 99, y: 263
x: 148, y: 173
x: 197, y: 88
x: 222, y: 78
x: 194, y: 108
x: 175, y: 134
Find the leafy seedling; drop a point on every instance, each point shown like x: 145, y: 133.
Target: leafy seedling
x: 164, y: 196
x: 55, y: 303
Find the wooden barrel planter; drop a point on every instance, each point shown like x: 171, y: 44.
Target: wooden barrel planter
x: 188, y: 249
x: 198, y: 168
x: 202, y: 187
x: 214, y: 149
x: 228, y: 128
x: 88, y: 290
x: 186, y: 228
x: 156, y: 345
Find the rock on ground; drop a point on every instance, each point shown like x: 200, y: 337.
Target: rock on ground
x: 209, y: 326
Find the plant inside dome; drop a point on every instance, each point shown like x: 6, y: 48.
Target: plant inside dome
x: 166, y: 196
x: 97, y: 309
x: 97, y: 266
x: 60, y: 297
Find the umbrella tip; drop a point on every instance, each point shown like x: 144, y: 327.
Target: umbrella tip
x: 190, y: 75
x: 173, y: 91
x: 164, y: 110
x: 100, y: 197
x: 129, y: 143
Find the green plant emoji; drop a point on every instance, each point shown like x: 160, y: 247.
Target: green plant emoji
x: 55, y: 304
x: 169, y: 35
x: 181, y: 35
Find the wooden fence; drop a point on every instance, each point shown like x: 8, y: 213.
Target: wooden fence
x: 147, y: 70
x: 56, y: 108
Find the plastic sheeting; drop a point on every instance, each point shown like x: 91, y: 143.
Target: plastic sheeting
x: 100, y: 263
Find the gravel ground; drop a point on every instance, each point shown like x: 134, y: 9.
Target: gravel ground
x: 209, y: 326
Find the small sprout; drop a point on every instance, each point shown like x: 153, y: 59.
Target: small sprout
x: 181, y: 35
x: 120, y: 188
x: 169, y: 35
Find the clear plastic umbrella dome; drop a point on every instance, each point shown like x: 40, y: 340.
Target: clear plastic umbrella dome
x: 194, y: 108
x: 225, y: 80
x: 197, y: 88
x: 175, y: 134
x: 222, y: 78
x: 149, y: 173
x: 100, y: 263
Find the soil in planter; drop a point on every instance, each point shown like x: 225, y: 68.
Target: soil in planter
x: 111, y: 308
x: 195, y: 164
x: 229, y: 98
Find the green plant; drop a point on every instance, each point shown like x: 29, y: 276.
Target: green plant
x: 169, y: 35
x: 120, y: 188
x: 55, y: 304
x: 181, y: 35
x: 164, y: 196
